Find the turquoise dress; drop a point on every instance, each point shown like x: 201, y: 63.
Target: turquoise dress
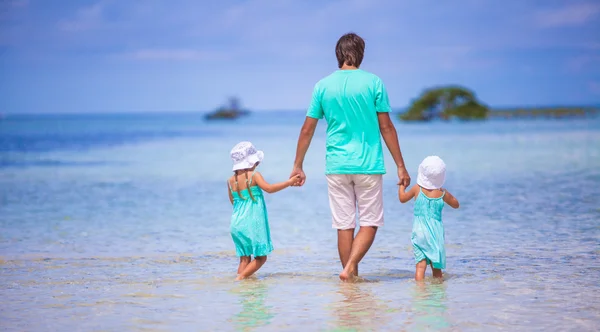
x: 249, y: 222
x: 428, y: 231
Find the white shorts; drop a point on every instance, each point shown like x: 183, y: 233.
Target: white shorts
x: 349, y: 191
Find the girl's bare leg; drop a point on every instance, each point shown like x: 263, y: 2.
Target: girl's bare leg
x: 420, y: 270
x: 244, y: 261
x: 251, y: 268
x: 437, y: 273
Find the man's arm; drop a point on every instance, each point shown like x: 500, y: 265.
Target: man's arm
x: 306, y: 134
x: 390, y: 136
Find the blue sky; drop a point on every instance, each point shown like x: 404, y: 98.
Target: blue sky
x: 189, y: 55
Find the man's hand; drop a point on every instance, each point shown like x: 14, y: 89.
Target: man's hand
x: 306, y: 134
x: 403, y: 177
x: 390, y: 136
x: 297, y: 171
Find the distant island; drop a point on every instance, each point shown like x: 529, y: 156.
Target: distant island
x: 544, y: 112
x: 454, y: 101
x: 230, y: 111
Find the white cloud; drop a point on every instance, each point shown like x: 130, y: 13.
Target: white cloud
x: 570, y: 15
x: 86, y: 18
x: 8, y: 9
x: 592, y: 46
x: 594, y: 87
x: 412, y: 34
x: 583, y: 62
x: 173, y: 54
x: 14, y: 3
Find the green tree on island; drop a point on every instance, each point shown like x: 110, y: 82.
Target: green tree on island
x: 446, y: 102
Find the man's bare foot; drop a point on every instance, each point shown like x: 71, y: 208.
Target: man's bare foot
x: 239, y: 277
x: 348, y: 274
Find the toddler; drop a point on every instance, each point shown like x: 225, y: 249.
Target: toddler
x: 428, y: 228
x: 249, y: 221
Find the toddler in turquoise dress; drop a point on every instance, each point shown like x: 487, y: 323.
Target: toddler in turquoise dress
x: 249, y: 221
x: 428, y: 229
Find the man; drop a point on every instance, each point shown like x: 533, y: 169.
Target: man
x: 356, y: 107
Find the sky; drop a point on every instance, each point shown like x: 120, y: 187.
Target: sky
x: 91, y: 56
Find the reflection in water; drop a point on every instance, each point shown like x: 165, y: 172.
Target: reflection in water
x: 255, y: 313
x: 429, y: 307
x: 359, y: 309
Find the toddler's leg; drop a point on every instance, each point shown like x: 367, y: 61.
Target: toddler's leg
x: 420, y: 270
x: 244, y: 261
x: 256, y: 264
x: 437, y: 273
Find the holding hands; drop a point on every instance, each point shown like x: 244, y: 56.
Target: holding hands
x: 403, y: 177
x: 298, y: 173
x: 294, y: 180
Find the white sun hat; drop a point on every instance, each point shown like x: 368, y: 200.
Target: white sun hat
x: 432, y: 173
x: 244, y: 156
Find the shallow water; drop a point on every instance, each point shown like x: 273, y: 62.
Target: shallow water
x: 120, y: 222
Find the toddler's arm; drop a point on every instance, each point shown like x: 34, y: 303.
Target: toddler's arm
x: 229, y: 193
x: 406, y: 196
x: 450, y: 200
x: 273, y: 188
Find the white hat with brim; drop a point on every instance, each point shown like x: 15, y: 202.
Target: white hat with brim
x: 244, y: 156
x: 432, y: 173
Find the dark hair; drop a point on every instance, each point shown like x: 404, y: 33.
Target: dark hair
x: 350, y: 50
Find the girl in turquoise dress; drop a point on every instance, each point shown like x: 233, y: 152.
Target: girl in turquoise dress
x: 428, y: 228
x: 249, y: 221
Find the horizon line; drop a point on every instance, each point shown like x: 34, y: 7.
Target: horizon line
x: 394, y: 110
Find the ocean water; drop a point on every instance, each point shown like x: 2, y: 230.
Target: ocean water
x: 121, y: 223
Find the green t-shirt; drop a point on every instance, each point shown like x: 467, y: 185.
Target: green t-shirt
x: 350, y: 100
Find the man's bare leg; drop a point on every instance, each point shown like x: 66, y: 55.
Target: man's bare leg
x: 345, y: 239
x: 361, y: 244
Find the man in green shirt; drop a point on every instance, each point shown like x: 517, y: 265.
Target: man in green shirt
x: 355, y: 105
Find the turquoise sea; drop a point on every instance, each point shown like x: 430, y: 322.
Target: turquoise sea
x: 120, y: 222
